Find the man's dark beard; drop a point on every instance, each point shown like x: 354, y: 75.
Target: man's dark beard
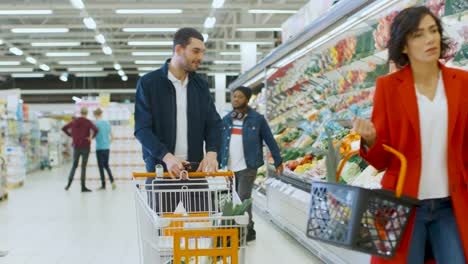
x: 242, y: 107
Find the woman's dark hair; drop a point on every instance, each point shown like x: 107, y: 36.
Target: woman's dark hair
x: 182, y: 37
x: 404, y: 24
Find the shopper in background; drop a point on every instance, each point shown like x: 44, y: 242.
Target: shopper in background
x: 422, y: 111
x: 244, y: 131
x: 103, y: 140
x: 82, y: 132
x: 174, y: 112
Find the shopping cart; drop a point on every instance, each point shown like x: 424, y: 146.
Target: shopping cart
x: 369, y: 221
x: 196, y: 231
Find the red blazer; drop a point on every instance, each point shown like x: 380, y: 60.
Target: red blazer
x: 396, y: 119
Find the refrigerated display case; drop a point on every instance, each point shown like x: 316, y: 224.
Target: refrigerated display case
x: 319, y: 81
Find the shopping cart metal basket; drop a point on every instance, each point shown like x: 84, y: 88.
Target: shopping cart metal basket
x: 196, y: 231
x: 369, y: 221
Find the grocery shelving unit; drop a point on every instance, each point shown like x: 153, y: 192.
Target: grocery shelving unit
x: 318, y: 80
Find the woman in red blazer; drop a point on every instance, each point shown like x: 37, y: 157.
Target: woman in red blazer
x: 422, y: 111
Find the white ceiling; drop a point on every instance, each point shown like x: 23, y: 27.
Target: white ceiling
x: 233, y: 16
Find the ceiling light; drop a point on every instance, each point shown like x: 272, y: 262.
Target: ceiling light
x: 76, y: 99
x: 124, y: 78
x: 55, y: 44
x: 1, y: 41
x: 88, y: 69
x: 271, y: 11
x: 150, y: 43
x: 77, y: 62
x: 226, y: 62
x: 28, y: 75
x: 39, y: 30
x: 67, y: 54
x: 258, y: 29
x: 217, y: 3
x: 149, y: 62
x: 9, y: 63
x: 149, y: 29
x: 90, y: 74
x: 147, y: 68
x: 78, y: 4
x: 9, y: 69
x: 26, y: 12
x: 107, y: 50
x: 100, y: 39
x: 31, y: 60
x: 148, y: 11
x: 44, y: 67
x: 121, y: 73
x: 255, y: 42
x: 89, y: 22
x: 205, y: 37
x: 64, y: 77
x: 16, y: 51
x: 210, y: 22
x: 117, y: 66
x: 151, y: 53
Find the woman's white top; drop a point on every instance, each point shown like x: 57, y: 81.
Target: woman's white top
x: 433, y: 123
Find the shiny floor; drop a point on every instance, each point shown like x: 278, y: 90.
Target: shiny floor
x: 42, y: 223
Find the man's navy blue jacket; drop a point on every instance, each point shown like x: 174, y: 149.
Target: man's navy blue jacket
x: 255, y: 131
x: 156, y: 117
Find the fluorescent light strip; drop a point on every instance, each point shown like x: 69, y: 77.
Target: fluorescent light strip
x: 149, y: 62
x: 147, y: 68
x: 151, y: 53
x: 255, y: 42
x: 31, y: 60
x: 121, y: 72
x: 271, y: 11
x: 39, y: 30
x: 217, y: 3
x: 16, y: 69
x: 25, y: 12
x: 78, y: 4
x: 150, y: 43
x: 67, y: 54
x: 100, y: 39
x: 124, y: 78
x: 77, y: 62
x: 90, y: 74
x: 88, y: 69
x: 9, y: 63
x: 258, y: 29
x: 135, y: 30
x: 226, y: 62
x: 55, y: 44
x: 107, y: 50
x: 148, y: 11
x: 44, y: 67
x: 28, y: 75
x: 205, y: 37
x: 117, y: 66
x: 89, y: 23
x: 210, y: 22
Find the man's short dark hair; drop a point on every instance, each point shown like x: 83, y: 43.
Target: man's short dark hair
x: 406, y: 23
x: 182, y: 37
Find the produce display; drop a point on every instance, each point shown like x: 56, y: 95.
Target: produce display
x: 329, y: 86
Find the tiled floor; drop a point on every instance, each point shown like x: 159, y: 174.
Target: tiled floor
x: 43, y: 224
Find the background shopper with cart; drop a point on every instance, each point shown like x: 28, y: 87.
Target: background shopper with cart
x: 82, y: 130
x: 174, y: 113
x: 244, y: 131
x: 421, y: 111
x: 103, y: 140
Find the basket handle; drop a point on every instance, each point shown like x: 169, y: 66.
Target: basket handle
x: 399, y: 155
x: 190, y: 174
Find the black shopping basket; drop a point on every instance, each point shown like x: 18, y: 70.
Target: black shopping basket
x: 369, y: 221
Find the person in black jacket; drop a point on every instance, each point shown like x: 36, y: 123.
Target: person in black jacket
x: 175, y: 116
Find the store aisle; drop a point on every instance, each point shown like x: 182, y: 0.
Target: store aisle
x: 45, y: 224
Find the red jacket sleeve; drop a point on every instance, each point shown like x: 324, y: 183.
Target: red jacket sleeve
x: 66, y: 129
x: 376, y: 155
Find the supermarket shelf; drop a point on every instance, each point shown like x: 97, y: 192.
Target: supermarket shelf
x: 296, y: 181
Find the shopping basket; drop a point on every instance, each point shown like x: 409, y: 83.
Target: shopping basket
x: 369, y: 221
x: 196, y: 232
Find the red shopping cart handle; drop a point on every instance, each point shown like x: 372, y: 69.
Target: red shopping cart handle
x: 190, y: 174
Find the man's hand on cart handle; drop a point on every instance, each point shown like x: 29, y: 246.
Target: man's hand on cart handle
x: 209, y: 163
x: 174, y: 165
x: 366, y: 129
x: 279, y: 170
